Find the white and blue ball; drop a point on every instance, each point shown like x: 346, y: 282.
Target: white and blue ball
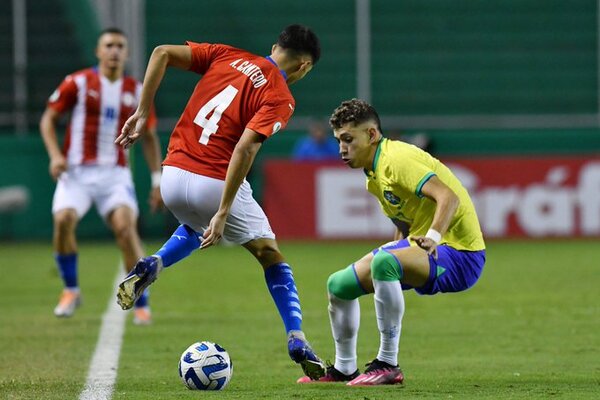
x: 205, y: 366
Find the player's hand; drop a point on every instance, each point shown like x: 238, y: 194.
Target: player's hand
x: 427, y: 244
x: 132, y: 130
x: 58, y: 165
x: 155, y: 200
x: 214, y: 232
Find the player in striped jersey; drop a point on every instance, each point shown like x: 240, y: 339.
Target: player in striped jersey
x: 91, y: 168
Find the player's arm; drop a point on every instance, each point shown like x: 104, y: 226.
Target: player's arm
x: 239, y: 166
x: 152, y: 154
x: 162, y: 57
x: 447, y: 203
x: 58, y: 164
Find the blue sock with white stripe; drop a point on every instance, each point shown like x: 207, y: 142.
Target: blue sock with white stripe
x: 180, y: 245
x: 280, y: 281
x: 144, y: 299
x: 67, y: 265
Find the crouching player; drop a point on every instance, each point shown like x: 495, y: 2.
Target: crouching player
x: 444, y: 252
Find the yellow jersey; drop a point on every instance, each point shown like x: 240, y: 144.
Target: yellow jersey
x: 396, y: 178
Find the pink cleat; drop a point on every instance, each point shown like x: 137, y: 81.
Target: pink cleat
x: 378, y: 373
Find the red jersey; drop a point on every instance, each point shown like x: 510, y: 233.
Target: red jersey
x: 238, y: 90
x: 99, y: 108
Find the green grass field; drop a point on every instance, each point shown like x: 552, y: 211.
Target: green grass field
x: 530, y: 328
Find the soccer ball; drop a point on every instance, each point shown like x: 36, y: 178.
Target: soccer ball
x: 205, y: 366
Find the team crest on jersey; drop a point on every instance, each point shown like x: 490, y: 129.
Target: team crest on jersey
x: 276, y: 127
x: 391, y: 197
x: 128, y: 99
x: 54, y: 96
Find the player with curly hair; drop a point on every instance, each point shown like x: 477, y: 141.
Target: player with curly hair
x: 444, y: 251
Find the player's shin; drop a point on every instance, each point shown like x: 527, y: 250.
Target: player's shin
x: 344, y: 316
x: 389, y: 309
x: 280, y: 281
x: 67, y: 266
x: 386, y: 273
x: 180, y: 245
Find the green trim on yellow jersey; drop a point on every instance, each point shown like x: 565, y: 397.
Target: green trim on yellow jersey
x: 377, y: 153
x: 375, y: 158
x: 422, y: 183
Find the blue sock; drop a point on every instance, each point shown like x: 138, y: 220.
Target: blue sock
x: 180, y: 245
x: 143, y: 301
x: 280, y: 281
x: 67, y: 265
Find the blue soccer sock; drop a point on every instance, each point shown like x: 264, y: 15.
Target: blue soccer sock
x: 67, y: 265
x: 180, y: 245
x: 144, y: 299
x: 280, y: 281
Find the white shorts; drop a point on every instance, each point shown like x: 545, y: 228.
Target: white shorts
x: 108, y: 187
x: 194, y: 199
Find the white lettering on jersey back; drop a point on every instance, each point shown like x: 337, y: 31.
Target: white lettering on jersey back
x: 252, y: 71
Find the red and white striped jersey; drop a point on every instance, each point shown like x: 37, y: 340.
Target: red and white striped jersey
x: 99, y: 108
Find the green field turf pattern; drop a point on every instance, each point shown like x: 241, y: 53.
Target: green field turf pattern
x: 529, y: 329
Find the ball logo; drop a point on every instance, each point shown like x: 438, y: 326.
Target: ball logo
x: 205, y: 366
x: 276, y: 127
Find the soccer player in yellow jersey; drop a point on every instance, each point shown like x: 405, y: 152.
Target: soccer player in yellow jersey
x: 444, y: 251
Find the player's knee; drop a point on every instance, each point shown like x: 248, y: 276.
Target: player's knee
x: 124, y: 231
x: 344, y: 284
x: 386, y: 267
x: 65, y: 221
x: 265, y: 251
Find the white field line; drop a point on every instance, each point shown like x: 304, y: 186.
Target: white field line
x: 102, y: 373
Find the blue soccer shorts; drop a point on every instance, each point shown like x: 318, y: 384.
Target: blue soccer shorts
x: 452, y: 271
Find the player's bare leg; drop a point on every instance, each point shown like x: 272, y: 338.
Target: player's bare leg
x: 65, y: 245
x: 123, y: 223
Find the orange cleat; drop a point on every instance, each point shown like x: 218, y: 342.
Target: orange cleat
x: 69, y: 300
x: 142, y: 316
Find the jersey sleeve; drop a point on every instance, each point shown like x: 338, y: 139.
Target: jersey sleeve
x: 203, y: 55
x: 271, y: 118
x: 64, y: 97
x: 412, y: 176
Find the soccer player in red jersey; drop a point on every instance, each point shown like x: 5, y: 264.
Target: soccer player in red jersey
x: 91, y: 168
x: 240, y: 101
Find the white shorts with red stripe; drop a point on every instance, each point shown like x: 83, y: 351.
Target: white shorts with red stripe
x: 194, y: 199
x: 107, y: 187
